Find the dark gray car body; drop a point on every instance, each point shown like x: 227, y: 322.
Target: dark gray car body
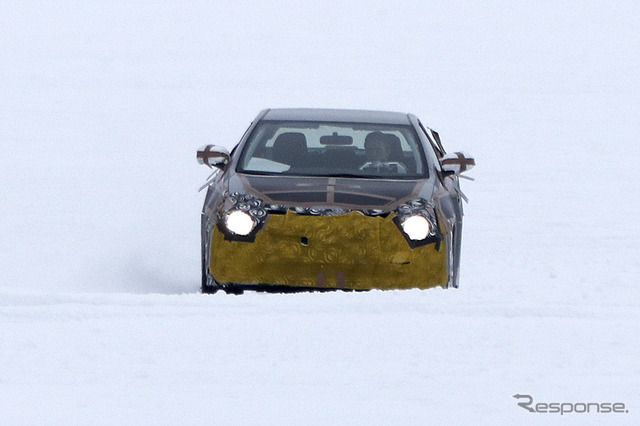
x: 322, y: 194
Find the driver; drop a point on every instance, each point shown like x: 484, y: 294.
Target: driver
x: 378, y: 152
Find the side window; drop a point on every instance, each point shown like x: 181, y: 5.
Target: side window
x: 436, y: 136
x: 434, y: 140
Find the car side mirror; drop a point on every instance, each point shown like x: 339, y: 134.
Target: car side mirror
x: 457, y: 163
x: 213, y: 156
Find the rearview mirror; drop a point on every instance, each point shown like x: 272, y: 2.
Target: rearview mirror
x: 457, y: 163
x: 213, y: 156
x: 336, y: 139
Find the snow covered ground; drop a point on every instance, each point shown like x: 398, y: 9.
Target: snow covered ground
x: 103, y: 106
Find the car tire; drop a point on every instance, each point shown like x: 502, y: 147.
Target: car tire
x: 209, y: 289
x: 209, y: 284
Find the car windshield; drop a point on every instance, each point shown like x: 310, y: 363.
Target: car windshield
x: 333, y: 149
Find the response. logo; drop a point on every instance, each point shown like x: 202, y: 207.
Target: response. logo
x: 562, y: 408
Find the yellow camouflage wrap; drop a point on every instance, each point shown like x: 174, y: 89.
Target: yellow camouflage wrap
x: 350, y: 251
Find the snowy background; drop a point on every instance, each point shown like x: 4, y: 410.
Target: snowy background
x: 102, y: 106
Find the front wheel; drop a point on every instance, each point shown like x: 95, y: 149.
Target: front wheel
x: 209, y: 283
x: 209, y: 289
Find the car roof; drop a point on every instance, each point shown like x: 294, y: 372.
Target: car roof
x: 336, y: 115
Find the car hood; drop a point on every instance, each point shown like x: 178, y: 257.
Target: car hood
x: 348, y: 193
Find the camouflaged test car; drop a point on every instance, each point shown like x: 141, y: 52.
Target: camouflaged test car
x: 318, y: 199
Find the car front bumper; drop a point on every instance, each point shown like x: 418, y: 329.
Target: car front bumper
x: 348, y: 251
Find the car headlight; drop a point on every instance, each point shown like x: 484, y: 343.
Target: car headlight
x: 418, y: 222
x: 416, y: 227
x: 241, y: 216
x: 239, y: 222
